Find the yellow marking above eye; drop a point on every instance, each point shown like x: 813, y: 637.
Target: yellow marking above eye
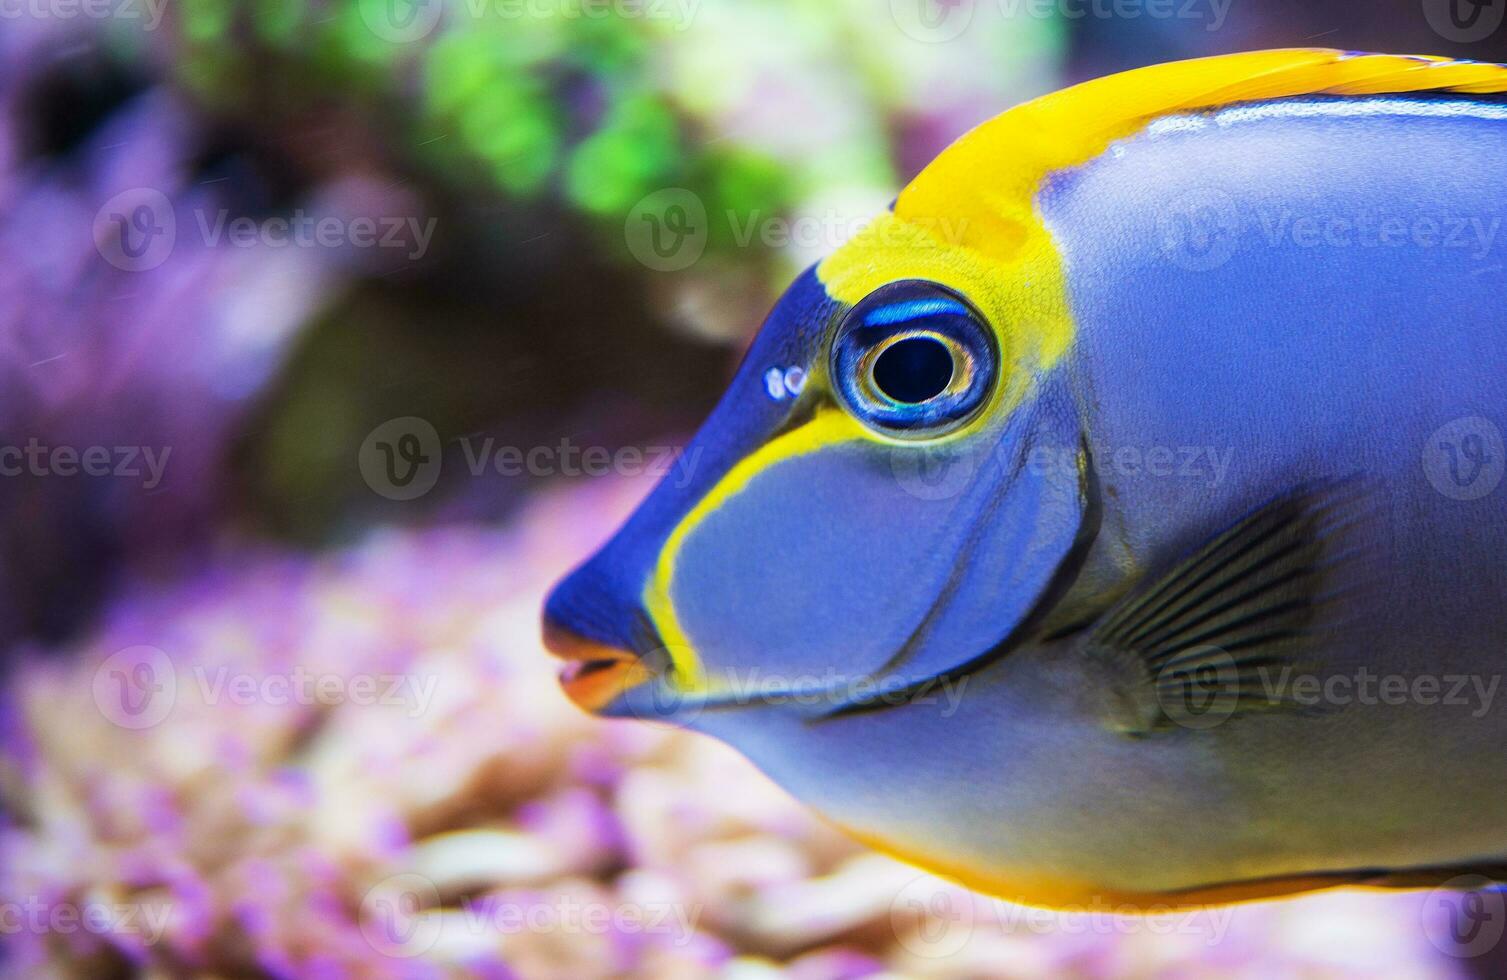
x: 1022, y: 295
x: 969, y: 220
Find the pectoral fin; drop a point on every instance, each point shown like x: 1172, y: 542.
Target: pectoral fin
x: 1206, y: 641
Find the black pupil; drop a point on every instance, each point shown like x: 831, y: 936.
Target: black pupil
x: 914, y: 370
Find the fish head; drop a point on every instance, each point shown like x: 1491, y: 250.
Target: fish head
x: 886, y: 491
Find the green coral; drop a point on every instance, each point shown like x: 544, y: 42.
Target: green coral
x: 594, y: 108
x: 632, y: 153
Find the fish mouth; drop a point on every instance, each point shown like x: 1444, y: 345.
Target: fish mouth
x: 595, y: 674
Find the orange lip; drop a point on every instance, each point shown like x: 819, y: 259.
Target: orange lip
x: 597, y: 673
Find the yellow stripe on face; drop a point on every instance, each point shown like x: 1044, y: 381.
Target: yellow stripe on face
x: 829, y: 426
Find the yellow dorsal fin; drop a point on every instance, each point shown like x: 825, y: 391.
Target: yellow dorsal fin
x: 969, y: 219
x: 990, y: 175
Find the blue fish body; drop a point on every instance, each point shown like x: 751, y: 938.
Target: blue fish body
x: 1185, y: 581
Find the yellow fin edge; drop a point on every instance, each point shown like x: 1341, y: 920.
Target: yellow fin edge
x: 1067, y: 895
x: 1015, y: 151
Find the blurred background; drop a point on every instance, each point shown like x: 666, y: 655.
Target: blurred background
x: 331, y: 332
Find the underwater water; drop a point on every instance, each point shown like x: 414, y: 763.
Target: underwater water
x: 332, y: 334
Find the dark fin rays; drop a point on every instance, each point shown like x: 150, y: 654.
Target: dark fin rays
x: 1212, y: 637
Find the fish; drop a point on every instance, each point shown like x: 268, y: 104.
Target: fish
x: 1117, y: 516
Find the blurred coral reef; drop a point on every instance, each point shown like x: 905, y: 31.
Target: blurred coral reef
x: 81, y: 353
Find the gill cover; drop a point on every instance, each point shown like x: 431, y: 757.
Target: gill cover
x: 899, y: 520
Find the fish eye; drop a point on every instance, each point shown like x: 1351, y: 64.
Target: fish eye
x: 913, y: 359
